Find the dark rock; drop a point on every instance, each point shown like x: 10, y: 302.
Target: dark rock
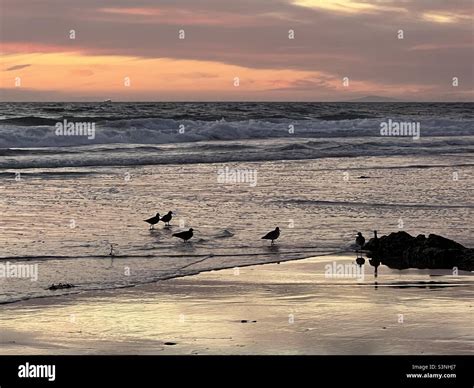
x: 374, y: 262
x: 170, y: 343
x: 421, y: 237
x: 400, y: 250
x: 436, y: 241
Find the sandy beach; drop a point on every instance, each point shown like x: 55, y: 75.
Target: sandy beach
x: 287, y: 308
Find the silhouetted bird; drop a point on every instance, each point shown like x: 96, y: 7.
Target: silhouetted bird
x: 153, y: 220
x: 167, y: 218
x: 374, y: 242
x: 373, y: 245
x: 360, y: 240
x: 273, y: 235
x: 186, y: 235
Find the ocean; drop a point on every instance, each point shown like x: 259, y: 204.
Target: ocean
x: 80, y: 178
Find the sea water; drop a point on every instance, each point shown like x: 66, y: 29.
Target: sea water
x: 321, y: 172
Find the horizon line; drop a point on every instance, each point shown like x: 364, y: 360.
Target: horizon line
x: 241, y: 101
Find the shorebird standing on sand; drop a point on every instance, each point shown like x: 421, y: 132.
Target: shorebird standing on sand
x: 186, y: 235
x: 273, y: 235
x: 360, y: 241
x: 167, y: 218
x: 153, y: 220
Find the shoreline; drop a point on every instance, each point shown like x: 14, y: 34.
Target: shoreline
x: 174, y: 276
x: 258, y: 309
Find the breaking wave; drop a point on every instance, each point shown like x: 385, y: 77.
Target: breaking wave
x: 29, y: 132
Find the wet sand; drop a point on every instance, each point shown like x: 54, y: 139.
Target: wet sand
x: 287, y: 308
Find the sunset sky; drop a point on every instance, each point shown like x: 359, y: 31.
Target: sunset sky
x: 117, y: 41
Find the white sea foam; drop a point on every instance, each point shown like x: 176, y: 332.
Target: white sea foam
x: 164, y: 131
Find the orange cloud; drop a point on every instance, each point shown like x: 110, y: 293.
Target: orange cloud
x: 127, y: 77
x: 183, y: 17
x: 346, y: 6
x: 25, y: 47
x: 445, y: 18
x: 132, y: 11
x: 52, y: 71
